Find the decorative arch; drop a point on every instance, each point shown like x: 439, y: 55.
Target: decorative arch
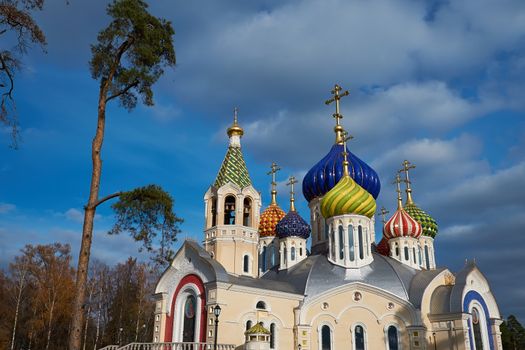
x: 325, y: 334
x: 473, y: 299
x: 195, y: 283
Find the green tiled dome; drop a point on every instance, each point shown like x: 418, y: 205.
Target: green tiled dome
x: 233, y: 169
x: 430, y: 226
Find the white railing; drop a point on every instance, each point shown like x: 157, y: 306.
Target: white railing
x: 170, y: 346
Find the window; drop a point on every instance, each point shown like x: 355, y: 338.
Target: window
x: 229, y: 210
x: 213, y: 211
x: 300, y: 251
x: 476, y: 325
x: 247, y: 212
x: 318, y: 226
x: 272, y: 256
x: 419, y: 254
x: 359, y: 337
x: 406, y: 254
x: 326, y: 341
x: 246, y: 264
x: 261, y: 305
x: 263, y: 259
x: 292, y: 253
x: 248, y: 324
x: 285, y: 255
x: 414, y: 251
x: 392, y: 338
x: 272, y: 336
x: 427, y: 258
x: 351, y: 250
x: 341, y: 244
x: 188, y: 331
x: 397, y: 250
x: 332, y: 243
x: 360, y: 240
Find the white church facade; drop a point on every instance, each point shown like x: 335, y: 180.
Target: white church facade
x: 342, y: 291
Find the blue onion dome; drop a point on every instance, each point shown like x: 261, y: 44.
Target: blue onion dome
x: 323, y: 176
x: 293, y: 225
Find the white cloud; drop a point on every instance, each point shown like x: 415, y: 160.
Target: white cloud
x: 7, y: 208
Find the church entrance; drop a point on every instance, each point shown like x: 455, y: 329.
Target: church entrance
x: 188, y: 333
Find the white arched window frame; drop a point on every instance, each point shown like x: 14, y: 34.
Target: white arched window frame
x: 387, y: 343
x: 292, y: 253
x: 351, y: 242
x: 365, y: 335
x: 246, y: 263
x: 178, y: 325
x: 482, y: 324
x: 320, y: 335
x: 340, y: 241
x: 273, y: 335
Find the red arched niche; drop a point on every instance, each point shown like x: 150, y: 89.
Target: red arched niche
x: 189, y: 279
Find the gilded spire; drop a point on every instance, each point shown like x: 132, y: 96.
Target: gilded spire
x: 383, y: 214
x: 337, y: 115
x: 274, y: 169
x: 235, y: 129
x: 397, y: 181
x: 406, y: 168
x: 292, y: 181
x: 345, y: 137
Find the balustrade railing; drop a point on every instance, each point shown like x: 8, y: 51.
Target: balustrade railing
x: 169, y: 346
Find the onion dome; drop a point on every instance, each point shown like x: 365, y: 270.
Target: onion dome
x: 429, y: 225
x: 383, y: 247
x: 269, y: 219
x: 323, y: 176
x: 293, y: 225
x: 401, y: 224
x: 347, y: 197
x: 273, y: 214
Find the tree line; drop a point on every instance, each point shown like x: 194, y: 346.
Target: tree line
x: 37, y: 292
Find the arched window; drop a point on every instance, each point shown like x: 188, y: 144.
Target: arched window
x: 427, y: 258
x: 397, y: 249
x: 360, y: 240
x: 326, y: 335
x: 229, y: 210
x: 214, y: 211
x: 476, y: 325
x: 332, y: 243
x: 419, y: 254
x: 273, y: 254
x: 351, y: 249
x: 406, y: 253
x: 341, y: 244
x: 246, y: 264
x: 300, y: 251
x: 393, y: 340
x: 188, y: 331
x: 292, y: 253
x: 263, y: 259
x: 414, y: 251
x: 261, y: 305
x: 285, y: 255
x: 247, y: 212
x: 248, y: 324
x: 272, y: 336
x: 359, y: 338
x: 319, y: 237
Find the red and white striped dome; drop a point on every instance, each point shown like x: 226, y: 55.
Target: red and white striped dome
x: 402, y: 225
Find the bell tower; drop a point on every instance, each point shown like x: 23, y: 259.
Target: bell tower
x: 232, y: 207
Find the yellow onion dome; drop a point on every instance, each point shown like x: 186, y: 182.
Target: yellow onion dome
x: 347, y: 197
x: 269, y: 219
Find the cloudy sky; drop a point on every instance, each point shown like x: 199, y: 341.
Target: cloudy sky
x: 435, y: 82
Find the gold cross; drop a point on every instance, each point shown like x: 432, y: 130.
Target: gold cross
x: 337, y: 115
x: 274, y: 169
x: 383, y: 214
x: 292, y: 181
x: 345, y: 137
x: 397, y: 181
x: 406, y: 168
x: 235, y: 115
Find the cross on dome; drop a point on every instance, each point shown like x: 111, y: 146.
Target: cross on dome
x: 292, y: 181
x: 383, y: 214
x: 346, y: 137
x: 274, y: 169
x: 397, y: 181
x: 337, y: 115
x: 406, y: 168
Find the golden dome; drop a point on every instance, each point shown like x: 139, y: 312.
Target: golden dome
x: 269, y: 219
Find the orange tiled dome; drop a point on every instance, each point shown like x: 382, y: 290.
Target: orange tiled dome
x: 269, y: 219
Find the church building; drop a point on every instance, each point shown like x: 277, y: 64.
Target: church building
x: 341, y: 290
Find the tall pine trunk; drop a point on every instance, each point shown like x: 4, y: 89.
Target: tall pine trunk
x: 87, y: 229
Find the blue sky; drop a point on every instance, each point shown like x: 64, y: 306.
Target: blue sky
x: 439, y: 83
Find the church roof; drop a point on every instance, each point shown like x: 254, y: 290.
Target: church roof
x: 257, y: 329
x: 233, y: 169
